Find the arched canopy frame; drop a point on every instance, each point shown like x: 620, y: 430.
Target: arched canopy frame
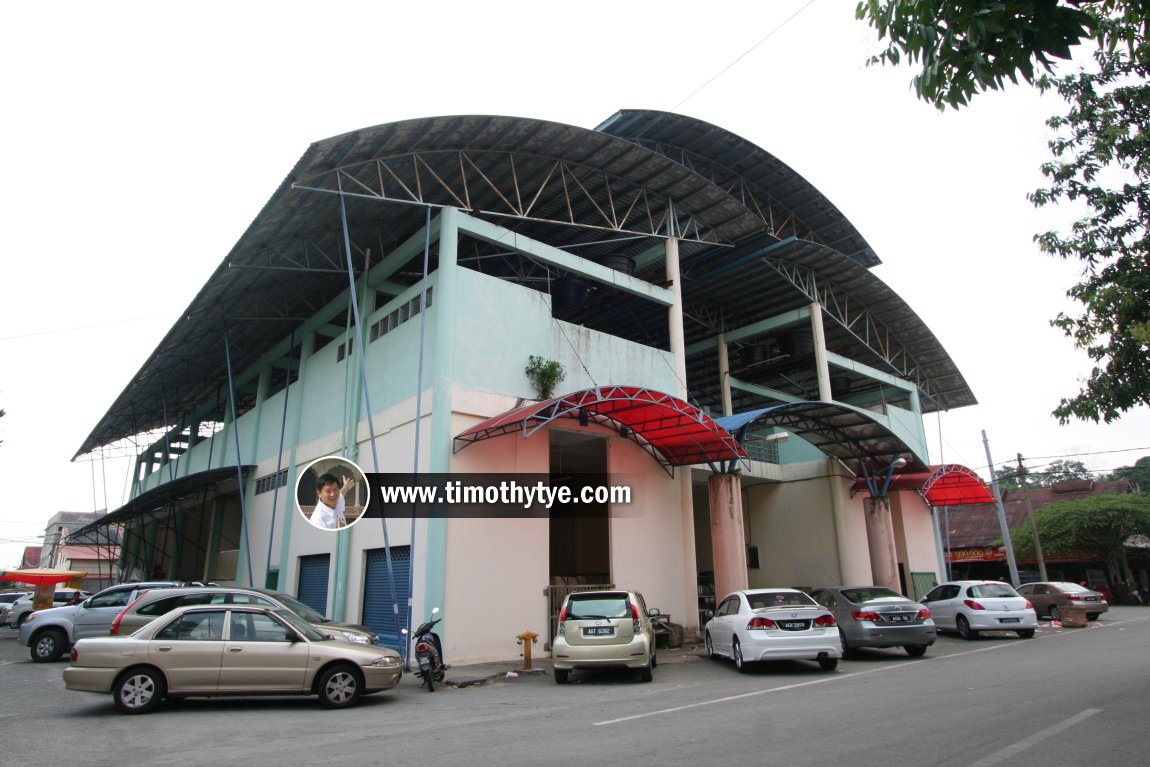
x: 673, y: 432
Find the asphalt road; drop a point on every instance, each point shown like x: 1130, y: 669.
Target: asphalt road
x: 1067, y: 696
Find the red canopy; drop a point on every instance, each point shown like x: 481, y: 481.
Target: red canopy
x: 675, y: 432
x: 945, y: 485
x: 35, y: 577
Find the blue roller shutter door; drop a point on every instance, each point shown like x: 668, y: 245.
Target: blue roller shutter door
x: 313, y: 575
x: 378, y: 612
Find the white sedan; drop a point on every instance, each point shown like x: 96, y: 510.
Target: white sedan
x: 773, y: 624
x: 969, y: 607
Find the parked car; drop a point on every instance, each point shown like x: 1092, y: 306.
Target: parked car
x: 875, y: 616
x: 19, y: 611
x: 6, y: 600
x: 49, y: 633
x: 772, y: 624
x: 969, y: 607
x: 1048, y: 597
x: 151, y: 605
x: 207, y: 650
x: 604, y: 629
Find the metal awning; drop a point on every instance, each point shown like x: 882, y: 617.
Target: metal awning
x: 838, y: 430
x: 674, y: 432
x: 944, y: 485
x: 179, y: 489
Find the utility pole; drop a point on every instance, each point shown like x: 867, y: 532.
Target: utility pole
x: 1033, y: 525
x: 1010, y: 563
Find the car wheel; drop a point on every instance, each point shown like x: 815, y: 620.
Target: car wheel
x: 1093, y: 616
x: 828, y: 664
x: 561, y: 676
x: 139, y: 690
x: 737, y: 653
x: 710, y: 647
x: 48, y: 646
x: 915, y: 650
x: 20, y: 621
x: 645, y: 674
x: 964, y: 629
x: 847, y: 649
x: 339, y: 687
x: 1025, y: 633
x: 654, y: 660
x: 1055, y: 613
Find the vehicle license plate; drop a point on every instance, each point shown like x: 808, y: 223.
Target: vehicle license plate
x: 794, y: 625
x: 1091, y: 599
x: 898, y: 618
x: 1009, y: 620
x: 598, y: 631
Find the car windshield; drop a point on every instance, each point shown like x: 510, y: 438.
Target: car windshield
x: 299, y: 608
x: 599, y: 606
x: 990, y: 590
x: 858, y: 596
x: 310, y: 632
x: 763, y: 599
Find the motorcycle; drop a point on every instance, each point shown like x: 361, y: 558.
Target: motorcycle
x: 429, y: 653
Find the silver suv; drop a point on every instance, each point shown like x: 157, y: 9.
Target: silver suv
x: 49, y: 633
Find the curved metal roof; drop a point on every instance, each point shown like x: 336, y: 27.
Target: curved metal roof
x: 674, y: 432
x: 597, y: 195
x: 837, y: 430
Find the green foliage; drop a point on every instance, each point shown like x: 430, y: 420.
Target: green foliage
x: 1101, y: 524
x: 1100, y: 154
x: 1138, y: 474
x: 544, y: 375
x: 1100, y: 158
x: 1010, y: 478
x: 968, y: 47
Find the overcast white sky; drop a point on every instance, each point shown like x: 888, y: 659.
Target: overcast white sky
x: 142, y: 138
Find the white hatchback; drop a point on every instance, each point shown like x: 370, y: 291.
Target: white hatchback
x: 969, y: 607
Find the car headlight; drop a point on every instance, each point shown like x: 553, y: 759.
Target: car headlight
x: 353, y: 637
x: 31, y: 617
x: 385, y: 661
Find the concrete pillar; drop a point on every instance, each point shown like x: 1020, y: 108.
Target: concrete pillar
x: 822, y: 367
x: 728, y: 543
x: 724, y: 373
x: 880, y: 540
x: 442, y: 355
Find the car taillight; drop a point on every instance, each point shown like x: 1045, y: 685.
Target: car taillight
x: 634, y: 612
x: 759, y: 622
x: 974, y: 605
x: 74, y: 655
x: 563, y: 615
x: 1028, y: 605
x: 865, y: 615
x: 116, y: 623
x: 1074, y: 597
x: 923, y: 614
x: 826, y: 620
x: 423, y: 647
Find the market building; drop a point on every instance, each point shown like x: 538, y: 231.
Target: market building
x: 727, y: 355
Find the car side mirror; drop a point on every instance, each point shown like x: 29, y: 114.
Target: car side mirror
x: 653, y: 612
x: 709, y: 614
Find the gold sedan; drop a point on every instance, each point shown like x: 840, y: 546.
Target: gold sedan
x: 205, y: 650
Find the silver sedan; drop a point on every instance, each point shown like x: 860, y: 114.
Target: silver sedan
x: 875, y: 616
